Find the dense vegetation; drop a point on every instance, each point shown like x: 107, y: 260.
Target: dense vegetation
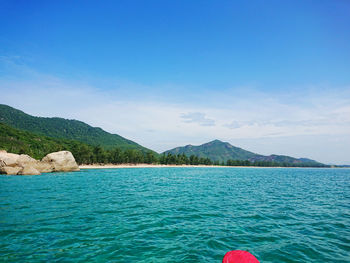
x: 65, y: 129
x: 224, y: 152
x: 180, y: 159
x: 37, y: 146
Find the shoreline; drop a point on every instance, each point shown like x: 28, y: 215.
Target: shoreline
x: 118, y: 166
x: 143, y: 165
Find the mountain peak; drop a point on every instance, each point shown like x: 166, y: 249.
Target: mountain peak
x: 216, y: 141
x: 215, y: 150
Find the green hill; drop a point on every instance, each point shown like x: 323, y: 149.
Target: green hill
x: 215, y: 150
x: 19, y: 141
x: 223, y: 151
x: 65, y: 129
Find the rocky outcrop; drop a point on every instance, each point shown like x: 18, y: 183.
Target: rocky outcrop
x: 25, y: 160
x: 23, y: 164
x: 44, y: 167
x: 9, y: 170
x: 9, y: 159
x: 62, y: 161
x: 28, y: 170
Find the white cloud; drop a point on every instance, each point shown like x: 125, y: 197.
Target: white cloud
x: 197, y: 117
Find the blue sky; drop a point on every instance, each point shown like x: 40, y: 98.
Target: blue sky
x: 269, y: 76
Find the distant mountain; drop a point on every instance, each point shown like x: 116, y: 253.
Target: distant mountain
x: 222, y: 151
x: 215, y: 150
x: 65, y: 129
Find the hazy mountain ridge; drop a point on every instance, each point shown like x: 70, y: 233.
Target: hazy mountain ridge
x: 223, y: 151
x: 65, y: 129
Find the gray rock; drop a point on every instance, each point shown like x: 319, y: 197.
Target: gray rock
x: 62, y: 161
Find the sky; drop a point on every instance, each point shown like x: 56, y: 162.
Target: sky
x: 272, y: 77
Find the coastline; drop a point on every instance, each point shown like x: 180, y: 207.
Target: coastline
x: 144, y: 165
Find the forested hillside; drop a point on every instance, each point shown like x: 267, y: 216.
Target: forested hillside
x: 24, y: 142
x: 65, y: 129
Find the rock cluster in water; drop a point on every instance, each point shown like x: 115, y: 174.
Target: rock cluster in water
x: 22, y: 164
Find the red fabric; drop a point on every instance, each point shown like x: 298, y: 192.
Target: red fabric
x: 239, y: 256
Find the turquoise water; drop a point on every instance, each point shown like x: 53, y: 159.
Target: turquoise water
x: 176, y: 215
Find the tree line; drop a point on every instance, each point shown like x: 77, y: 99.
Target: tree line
x: 85, y: 154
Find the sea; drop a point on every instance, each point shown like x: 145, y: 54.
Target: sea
x: 176, y: 215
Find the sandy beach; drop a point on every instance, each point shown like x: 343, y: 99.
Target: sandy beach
x: 144, y: 165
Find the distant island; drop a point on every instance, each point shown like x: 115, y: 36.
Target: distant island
x: 22, y: 133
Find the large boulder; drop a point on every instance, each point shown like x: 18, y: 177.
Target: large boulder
x: 28, y: 170
x: 9, y: 170
x: 11, y: 163
x: 8, y: 159
x: 62, y: 161
x: 25, y: 160
x: 13, y: 160
x: 44, y: 167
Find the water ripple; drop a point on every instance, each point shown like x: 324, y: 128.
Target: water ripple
x: 176, y: 215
